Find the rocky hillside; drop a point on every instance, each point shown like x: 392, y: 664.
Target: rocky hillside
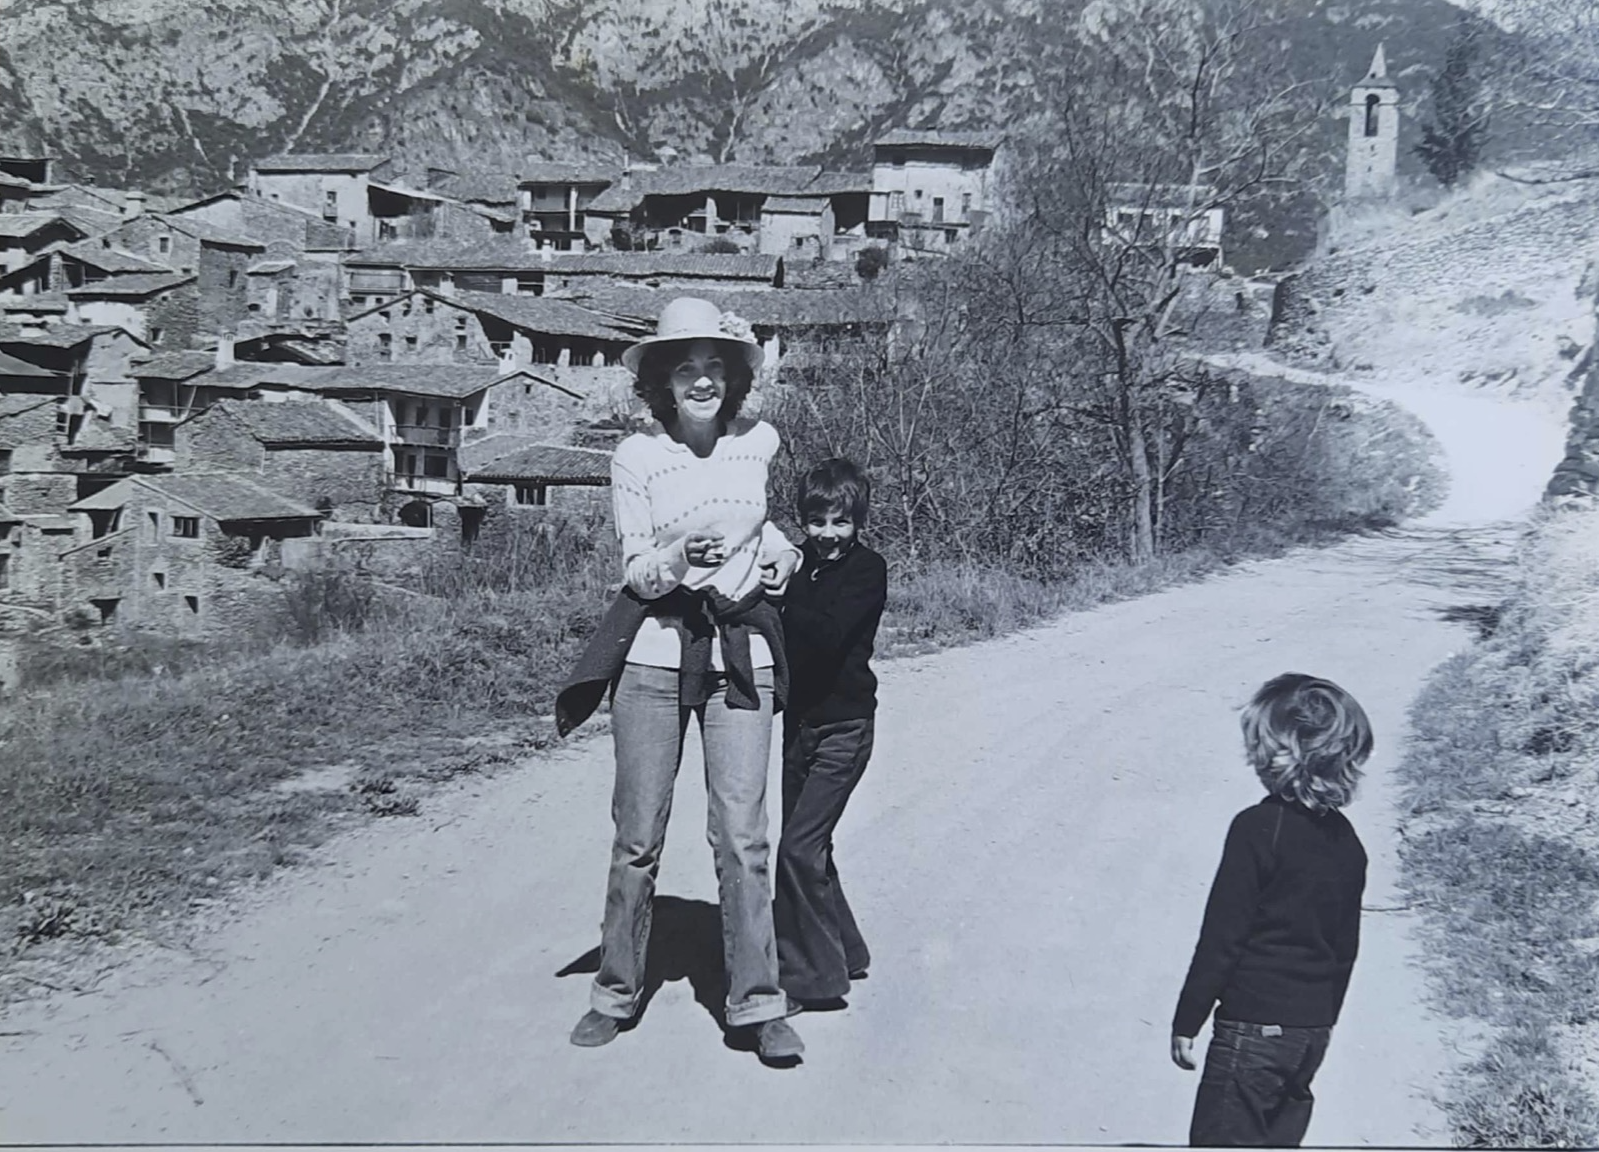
x: 179, y: 95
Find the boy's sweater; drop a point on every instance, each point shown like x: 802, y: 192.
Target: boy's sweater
x: 830, y: 616
x: 1282, y: 925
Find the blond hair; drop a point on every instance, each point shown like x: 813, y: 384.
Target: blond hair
x: 1306, y: 738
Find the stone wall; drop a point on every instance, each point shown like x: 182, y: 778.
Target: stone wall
x: 346, y: 483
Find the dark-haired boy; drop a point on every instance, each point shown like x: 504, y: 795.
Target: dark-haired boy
x: 830, y: 616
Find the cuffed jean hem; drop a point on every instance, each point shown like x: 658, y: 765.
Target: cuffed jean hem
x: 757, y: 1010
x: 608, y: 1003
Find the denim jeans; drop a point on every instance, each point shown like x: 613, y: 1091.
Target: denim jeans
x: 818, y: 943
x: 648, y: 726
x: 1255, y: 1089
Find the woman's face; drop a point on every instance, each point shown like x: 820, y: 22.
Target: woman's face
x: 699, y: 382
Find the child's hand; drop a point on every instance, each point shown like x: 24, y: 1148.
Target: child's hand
x: 705, y: 549
x: 1182, y: 1052
x: 775, y: 576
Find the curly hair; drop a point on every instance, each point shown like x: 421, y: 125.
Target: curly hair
x: 1306, y: 739
x: 653, y: 384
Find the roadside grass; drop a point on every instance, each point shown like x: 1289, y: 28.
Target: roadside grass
x: 1500, y: 853
x: 135, y: 791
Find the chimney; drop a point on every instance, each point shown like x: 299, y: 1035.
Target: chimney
x: 133, y: 205
x: 508, y: 362
x: 224, y: 352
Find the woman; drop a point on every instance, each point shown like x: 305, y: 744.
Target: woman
x: 692, y: 633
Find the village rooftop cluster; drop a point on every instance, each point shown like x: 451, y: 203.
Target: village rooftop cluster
x: 335, y: 358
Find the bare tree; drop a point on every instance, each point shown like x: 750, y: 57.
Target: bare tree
x: 1555, y: 76
x: 1170, y: 112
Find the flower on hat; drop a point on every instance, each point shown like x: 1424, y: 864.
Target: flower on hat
x: 737, y: 327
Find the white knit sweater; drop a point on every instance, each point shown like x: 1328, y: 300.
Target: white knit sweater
x: 661, y: 491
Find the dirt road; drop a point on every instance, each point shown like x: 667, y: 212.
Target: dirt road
x: 1029, y: 854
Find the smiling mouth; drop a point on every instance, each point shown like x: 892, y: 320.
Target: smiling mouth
x: 700, y: 396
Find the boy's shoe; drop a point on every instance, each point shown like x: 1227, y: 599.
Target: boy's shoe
x: 858, y: 973
x: 831, y: 1004
x: 595, y: 1029
x: 777, y: 1040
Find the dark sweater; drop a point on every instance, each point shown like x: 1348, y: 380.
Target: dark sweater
x: 830, y: 616
x: 1282, y: 925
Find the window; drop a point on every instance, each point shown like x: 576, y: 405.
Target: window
x: 5, y: 461
x: 330, y: 207
x: 410, y: 343
x: 460, y: 342
x: 385, y: 346
x: 233, y: 277
x: 917, y: 195
x: 155, y: 525
x: 896, y: 204
x: 532, y: 495
x: 103, y: 553
x: 444, y: 416
x: 105, y: 521
x: 107, y: 608
x: 186, y: 527
x: 799, y: 241
x: 950, y: 235
x: 193, y: 603
x: 1373, y: 103
x: 419, y: 415
x: 386, y: 230
x: 163, y: 245
x: 938, y: 209
x: 160, y: 579
x: 5, y: 570
x: 156, y: 334
x: 966, y: 205
x: 427, y: 305
x: 436, y: 466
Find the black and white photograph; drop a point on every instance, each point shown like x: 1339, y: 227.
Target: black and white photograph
x: 799, y: 572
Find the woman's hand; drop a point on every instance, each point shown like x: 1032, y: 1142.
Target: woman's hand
x: 705, y: 549
x: 775, y: 574
x: 1182, y: 1052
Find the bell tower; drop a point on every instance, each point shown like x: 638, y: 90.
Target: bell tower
x: 1373, y: 134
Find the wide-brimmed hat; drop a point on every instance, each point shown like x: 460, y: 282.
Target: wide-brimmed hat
x: 691, y: 318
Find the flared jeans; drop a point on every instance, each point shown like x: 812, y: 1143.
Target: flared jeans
x: 648, y: 725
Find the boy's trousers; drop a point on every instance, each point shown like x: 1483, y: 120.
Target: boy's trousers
x: 818, y: 943
x: 1255, y: 1089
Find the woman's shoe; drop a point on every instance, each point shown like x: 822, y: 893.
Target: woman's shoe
x: 595, y: 1029
x: 777, y: 1040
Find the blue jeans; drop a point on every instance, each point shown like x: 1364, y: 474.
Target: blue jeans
x: 1255, y: 1089
x: 818, y: 942
x: 648, y: 726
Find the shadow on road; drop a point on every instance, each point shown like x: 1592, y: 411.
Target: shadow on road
x: 685, y: 944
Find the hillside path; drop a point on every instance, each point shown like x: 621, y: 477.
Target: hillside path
x: 1028, y: 854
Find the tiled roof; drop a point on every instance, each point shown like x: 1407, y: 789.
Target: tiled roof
x: 564, y: 172
x: 9, y: 181
x: 300, y: 422
x: 683, y: 180
x: 174, y: 366
x: 483, y: 187
x: 321, y: 162
x: 778, y: 308
x: 223, y: 496
x: 8, y: 517
x: 267, y: 267
x: 546, y: 463
x: 646, y: 265
x: 1159, y: 195
x: 495, y: 254
x: 933, y: 138
x: 90, y: 252
x: 20, y: 225
x: 799, y: 205
x: 454, y: 381
x: 813, y: 274
x: 133, y: 284
x: 839, y: 183
x: 90, y: 221
x: 537, y: 314
x: 55, y: 336
x: 207, y: 234
x: 54, y: 303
